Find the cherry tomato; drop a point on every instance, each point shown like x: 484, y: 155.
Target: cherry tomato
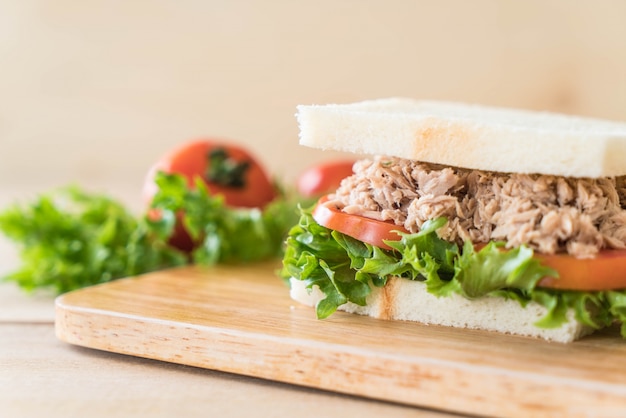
x: 606, y: 271
x: 364, y: 229
x: 227, y: 169
x: 323, y: 178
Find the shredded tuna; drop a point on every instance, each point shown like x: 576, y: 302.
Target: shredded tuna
x: 550, y: 214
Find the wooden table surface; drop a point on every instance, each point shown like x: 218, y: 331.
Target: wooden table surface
x: 44, y: 377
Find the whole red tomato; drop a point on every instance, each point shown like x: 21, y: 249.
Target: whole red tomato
x: 323, y: 178
x: 227, y: 169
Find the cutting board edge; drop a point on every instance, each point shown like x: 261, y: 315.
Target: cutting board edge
x: 75, y: 325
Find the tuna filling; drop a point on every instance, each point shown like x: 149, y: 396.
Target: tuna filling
x: 550, y: 214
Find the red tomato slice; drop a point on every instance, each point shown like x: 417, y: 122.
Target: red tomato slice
x: 323, y: 178
x: 606, y: 271
x: 364, y: 229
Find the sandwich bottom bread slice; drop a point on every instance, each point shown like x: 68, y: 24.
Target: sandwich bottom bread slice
x: 466, y: 216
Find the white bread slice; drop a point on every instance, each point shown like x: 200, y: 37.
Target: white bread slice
x: 408, y: 300
x: 470, y: 136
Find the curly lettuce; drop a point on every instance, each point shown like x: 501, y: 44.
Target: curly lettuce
x: 345, y: 269
x: 69, y: 238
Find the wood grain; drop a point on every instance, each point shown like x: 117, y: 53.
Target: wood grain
x: 241, y: 320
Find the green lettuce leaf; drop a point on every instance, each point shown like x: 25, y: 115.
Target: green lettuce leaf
x: 616, y: 301
x: 340, y: 266
x: 69, y: 238
x: 491, y: 268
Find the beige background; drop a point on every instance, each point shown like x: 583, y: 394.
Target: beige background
x: 93, y: 92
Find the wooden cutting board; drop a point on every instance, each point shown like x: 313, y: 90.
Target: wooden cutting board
x: 241, y: 320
